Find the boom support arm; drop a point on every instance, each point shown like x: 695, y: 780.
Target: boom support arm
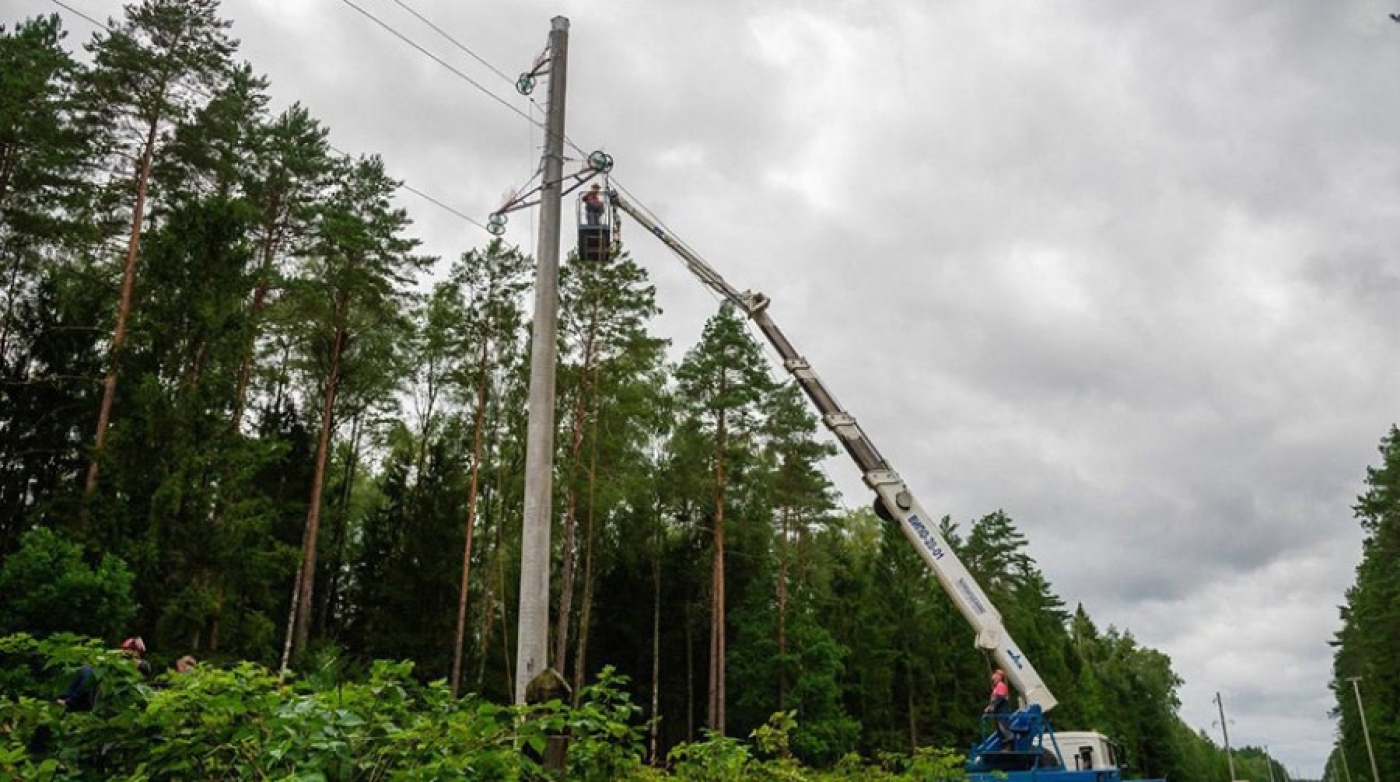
x: 893, y: 495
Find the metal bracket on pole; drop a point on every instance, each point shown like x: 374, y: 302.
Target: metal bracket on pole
x: 598, y: 163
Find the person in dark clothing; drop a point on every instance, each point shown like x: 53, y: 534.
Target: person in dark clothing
x: 81, y: 693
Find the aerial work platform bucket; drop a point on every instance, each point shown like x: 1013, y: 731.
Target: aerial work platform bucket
x: 594, y: 242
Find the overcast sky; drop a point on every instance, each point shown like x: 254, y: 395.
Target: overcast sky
x: 1124, y: 270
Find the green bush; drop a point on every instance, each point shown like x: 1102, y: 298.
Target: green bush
x: 46, y: 587
x: 244, y: 722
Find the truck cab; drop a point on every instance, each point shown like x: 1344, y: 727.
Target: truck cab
x: 1085, y: 751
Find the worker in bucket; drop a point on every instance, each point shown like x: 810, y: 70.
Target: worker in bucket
x: 999, y: 703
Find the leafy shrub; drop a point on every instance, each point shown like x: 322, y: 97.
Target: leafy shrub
x: 47, y: 587
x: 244, y: 722
x: 716, y: 759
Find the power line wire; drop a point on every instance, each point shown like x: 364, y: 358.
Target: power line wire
x: 402, y: 37
x: 454, y: 41
x: 70, y: 9
x: 775, y: 360
x: 533, y: 122
x: 410, y: 188
x: 430, y: 199
x: 441, y: 62
x: 441, y: 205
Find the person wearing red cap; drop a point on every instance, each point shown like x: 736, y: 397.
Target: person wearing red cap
x: 135, y: 648
x: 593, y: 205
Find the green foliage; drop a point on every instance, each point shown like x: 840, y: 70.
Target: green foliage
x: 1365, y: 645
x: 940, y: 764
x: 243, y: 722
x: 716, y: 759
x: 607, y: 733
x: 50, y: 216
x: 47, y: 587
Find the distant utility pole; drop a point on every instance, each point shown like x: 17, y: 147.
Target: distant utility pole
x: 1225, y: 731
x: 1269, y: 759
x: 1365, y: 731
x: 532, y: 634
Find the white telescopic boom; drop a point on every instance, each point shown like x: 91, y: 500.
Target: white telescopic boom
x: 894, y: 496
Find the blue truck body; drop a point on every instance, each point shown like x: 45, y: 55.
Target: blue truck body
x: 1025, y: 748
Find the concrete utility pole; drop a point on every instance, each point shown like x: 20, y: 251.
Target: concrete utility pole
x: 1365, y: 731
x: 1225, y: 731
x: 532, y: 634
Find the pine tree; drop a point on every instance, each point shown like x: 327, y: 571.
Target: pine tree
x: 477, y: 327
x: 1371, y: 622
x: 46, y: 203
x: 722, y: 383
x: 605, y: 306
x: 287, y: 167
x: 52, y: 219
x: 347, y: 310
x: 151, y: 71
x: 175, y: 460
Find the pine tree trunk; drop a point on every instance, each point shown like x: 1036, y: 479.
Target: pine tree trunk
x: 717, y: 614
x: 479, y: 423
x: 109, y: 384
x: 782, y: 610
x: 689, y: 673
x: 495, y: 576
x: 655, y: 724
x: 505, y: 622
x: 488, y: 615
x: 489, y: 556
x: 272, y: 236
x: 292, y: 616
x: 302, y: 620
x: 340, y: 532
x: 585, y: 619
x: 566, y: 576
x: 913, y: 713
x: 220, y: 594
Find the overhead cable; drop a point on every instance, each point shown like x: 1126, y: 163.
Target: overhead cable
x: 441, y: 62
x: 70, y: 9
x: 454, y: 41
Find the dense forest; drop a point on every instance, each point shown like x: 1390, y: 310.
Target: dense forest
x: 242, y: 416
